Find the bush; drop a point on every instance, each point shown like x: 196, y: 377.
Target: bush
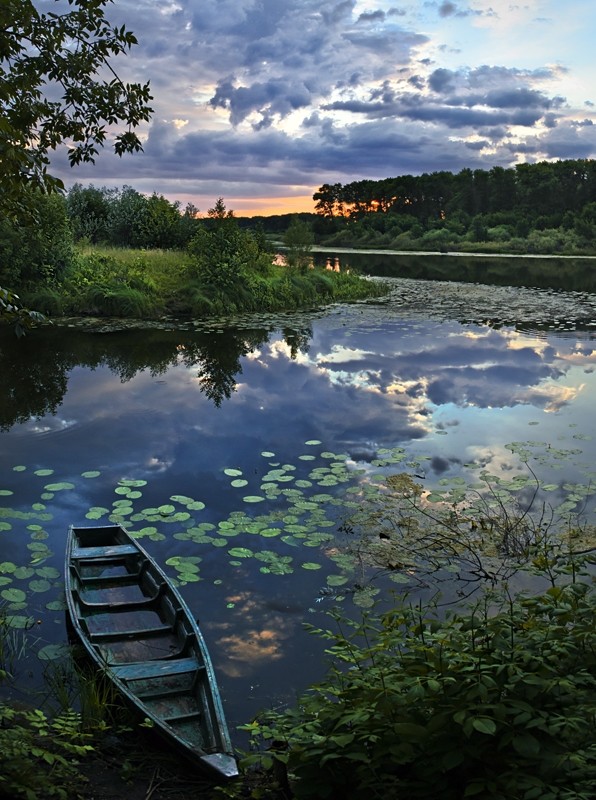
x: 38, y: 756
x: 496, y: 701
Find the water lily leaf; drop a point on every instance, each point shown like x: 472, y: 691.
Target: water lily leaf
x: 132, y: 483
x: 51, y: 652
x: 19, y: 468
x: 5, y: 526
x: 8, y: 566
x: 267, y: 454
x: 313, y: 442
x: 188, y: 577
x: 196, y: 505
x: 365, y: 598
x: 187, y: 566
x: 24, y: 573
x: 59, y: 487
x: 92, y: 473
x: 336, y: 580
x: 40, y: 585
x: 19, y: 621
x: 182, y: 499
x: 43, y: 473
x: 13, y: 595
x: 311, y: 565
x: 56, y: 605
x: 47, y: 572
x: 5, y: 492
x: 239, y: 482
x: 241, y: 552
x: 166, y: 510
x: 253, y: 498
x: 180, y: 516
x: 232, y: 472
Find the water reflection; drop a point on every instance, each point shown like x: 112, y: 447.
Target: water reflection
x: 180, y: 409
x: 39, y: 365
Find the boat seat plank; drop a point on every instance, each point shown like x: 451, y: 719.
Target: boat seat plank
x: 155, y: 669
x: 182, y: 717
x: 116, y: 635
x: 104, y: 552
x: 131, y: 605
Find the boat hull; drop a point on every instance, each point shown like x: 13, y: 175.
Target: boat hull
x: 136, y: 627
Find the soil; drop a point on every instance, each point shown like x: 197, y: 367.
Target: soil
x: 141, y: 771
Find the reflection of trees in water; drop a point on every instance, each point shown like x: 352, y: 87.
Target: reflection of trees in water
x: 218, y: 359
x: 35, y: 369
x: 547, y: 273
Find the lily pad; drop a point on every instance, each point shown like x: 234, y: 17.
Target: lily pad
x: 40, y: 585
x: 13, y: 595
x: 240, y: 552
x: 51, y: 652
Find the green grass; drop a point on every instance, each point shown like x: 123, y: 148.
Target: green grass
x: 146, y: 284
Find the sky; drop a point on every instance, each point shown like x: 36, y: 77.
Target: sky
x: 262, y: 101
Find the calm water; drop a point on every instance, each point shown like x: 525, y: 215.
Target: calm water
x: 230, y: 449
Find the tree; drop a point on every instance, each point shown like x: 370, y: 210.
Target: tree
x: 299, y: 241
x: 34, y: 255
x: 88, y: 211
x: 51, y: 93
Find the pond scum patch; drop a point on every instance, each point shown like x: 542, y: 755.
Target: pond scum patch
x: 350, y: 523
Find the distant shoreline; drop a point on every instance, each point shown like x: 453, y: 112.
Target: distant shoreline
x: 459, y: 254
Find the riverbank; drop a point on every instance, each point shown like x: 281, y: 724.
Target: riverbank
x: 456, y: 253
x: 153, y: 285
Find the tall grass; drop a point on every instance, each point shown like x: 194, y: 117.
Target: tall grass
x: 146, y: 284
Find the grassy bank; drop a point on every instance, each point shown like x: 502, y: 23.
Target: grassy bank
x: 105, y: 281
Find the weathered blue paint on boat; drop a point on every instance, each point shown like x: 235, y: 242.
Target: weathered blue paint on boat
x: 135, y: 625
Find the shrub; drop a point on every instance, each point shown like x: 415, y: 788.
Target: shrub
x: 496, y: 701
x: 38, y: 756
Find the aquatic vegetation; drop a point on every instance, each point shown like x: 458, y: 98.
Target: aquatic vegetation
x: 323, y: 514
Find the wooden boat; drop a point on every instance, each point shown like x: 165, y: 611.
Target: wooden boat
x: 135, y: 625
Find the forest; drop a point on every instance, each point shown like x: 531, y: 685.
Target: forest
x: 546, y: 207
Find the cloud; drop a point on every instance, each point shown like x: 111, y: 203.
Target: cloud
x: 279, y: 96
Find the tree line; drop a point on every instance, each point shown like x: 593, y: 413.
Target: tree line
x: 542, y: 207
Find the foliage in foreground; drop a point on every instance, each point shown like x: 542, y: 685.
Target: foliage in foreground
x: 53, y: 93
x: 39, y: 756
x: 14, y: 313
x: 497, y: 701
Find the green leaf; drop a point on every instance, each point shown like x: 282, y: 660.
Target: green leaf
x: 484, y: 725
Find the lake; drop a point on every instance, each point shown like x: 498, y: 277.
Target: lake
x: 237, y: 449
